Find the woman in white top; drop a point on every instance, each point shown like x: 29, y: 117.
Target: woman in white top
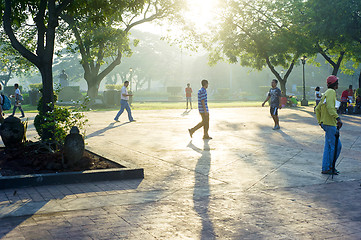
x: 317, y: 96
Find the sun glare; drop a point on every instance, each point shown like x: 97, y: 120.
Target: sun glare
x: 202, y: 13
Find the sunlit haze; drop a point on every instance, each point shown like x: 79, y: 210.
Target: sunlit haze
x: 202, y: 13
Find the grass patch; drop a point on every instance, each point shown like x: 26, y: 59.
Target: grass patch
x: 166, y: 105
x: 26, y: 108
x: 182, y: 105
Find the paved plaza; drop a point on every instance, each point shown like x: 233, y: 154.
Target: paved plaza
x: 249, y: 182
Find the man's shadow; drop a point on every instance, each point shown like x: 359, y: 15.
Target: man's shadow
x: 186, y: 112
x: 109, y: 127
x: 201, y: 193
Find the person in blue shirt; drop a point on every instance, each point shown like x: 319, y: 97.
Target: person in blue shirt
x: 275, y: 95
x: 203, y: 111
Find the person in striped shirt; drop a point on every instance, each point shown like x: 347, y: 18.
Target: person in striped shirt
x: 203, y: 111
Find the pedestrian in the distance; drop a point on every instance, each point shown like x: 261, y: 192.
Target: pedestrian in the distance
x: 275, y: 95
x: 18, y: 99
x: 189, y: 95
x: 330, y: 122
x: 203, y: 111
x: 317, y: 96
x: 124, y: 98
x: 350, y: 93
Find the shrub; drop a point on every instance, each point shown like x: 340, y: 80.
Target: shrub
x: 174, y: 91
x: 59, y: 121
x: 113, y: 87
x: 36, y: 86
x: 358, y: 92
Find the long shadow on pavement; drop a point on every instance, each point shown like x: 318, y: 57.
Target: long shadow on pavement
x: 109, y: 127
x: 201, y: 193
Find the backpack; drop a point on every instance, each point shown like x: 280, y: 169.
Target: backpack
x: 19, y: 98
x: 6, y: 104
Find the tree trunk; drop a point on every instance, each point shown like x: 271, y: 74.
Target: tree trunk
x: 335, y: 70
x: 282, y: 80
x: 48, y: 91
x: 359, y: 80
x: 335, y: 65
x: 283, y: 87
x: 47, y: 97
x: 93, y: 87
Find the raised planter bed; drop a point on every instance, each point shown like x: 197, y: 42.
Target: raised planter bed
x: 121, y: 172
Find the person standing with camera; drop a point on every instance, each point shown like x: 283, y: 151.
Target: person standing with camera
x: 331, y: 123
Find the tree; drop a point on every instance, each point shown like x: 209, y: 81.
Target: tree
x: 102, y: 36
x: 152, y: 60
x: 325, y: 24
x: 11, y: 62
x: 353, y: 30
x: 45, y: 15
x: 70, y: 63
x: 259, y: 34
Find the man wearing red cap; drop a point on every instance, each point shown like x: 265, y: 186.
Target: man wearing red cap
x: 330, y: 122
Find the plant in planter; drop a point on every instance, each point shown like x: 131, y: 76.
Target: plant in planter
x: 59, y: 121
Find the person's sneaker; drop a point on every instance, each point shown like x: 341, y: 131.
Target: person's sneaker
x: 276, y: 128
x: 116, y: 120
x: 190, y: 132
x: 22, y: 116
x: 133, y: 120
x: 207, y: 138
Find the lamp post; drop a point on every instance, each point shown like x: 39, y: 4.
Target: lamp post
x: 304, y: 101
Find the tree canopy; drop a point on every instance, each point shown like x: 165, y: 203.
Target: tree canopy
x: 259, y: 34
x: 102, y: 37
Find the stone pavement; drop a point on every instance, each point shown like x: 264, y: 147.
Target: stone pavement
x: 249, y: 182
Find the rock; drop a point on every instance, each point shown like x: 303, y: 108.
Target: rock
x: 74, y: 129
x: 73, y: 147
x: 12, y: 132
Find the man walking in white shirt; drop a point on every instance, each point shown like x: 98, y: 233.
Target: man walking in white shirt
x: 124, y: 98
x: 18, y: 98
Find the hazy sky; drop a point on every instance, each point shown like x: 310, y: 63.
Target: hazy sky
x: 200, y: 12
